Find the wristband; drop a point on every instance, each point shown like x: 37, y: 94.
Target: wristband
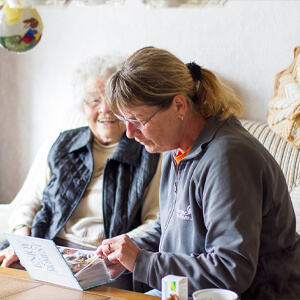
x: 18, y: 227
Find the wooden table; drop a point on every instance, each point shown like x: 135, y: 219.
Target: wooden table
x: 17, y: 284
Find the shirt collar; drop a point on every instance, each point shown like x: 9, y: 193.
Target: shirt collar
x: 127, y: 151
x: 205, y: 136
x: 82, y: 140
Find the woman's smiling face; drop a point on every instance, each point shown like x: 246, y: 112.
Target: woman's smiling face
x: 106, y: 128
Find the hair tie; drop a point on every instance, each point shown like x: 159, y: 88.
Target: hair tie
x: 195, y: 70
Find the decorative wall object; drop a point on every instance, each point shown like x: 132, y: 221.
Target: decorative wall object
x: 99, y: 2
x: 34, y: 3
x: 150, y: 3
x: 284, y: 107
x: 20, y: 29
x: 184, y: 3
x: 21, y: 26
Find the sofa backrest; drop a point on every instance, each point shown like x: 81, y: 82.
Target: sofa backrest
x: 285, y: 154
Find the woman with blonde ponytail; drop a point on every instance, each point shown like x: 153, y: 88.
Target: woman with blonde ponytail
x: 226, y: 218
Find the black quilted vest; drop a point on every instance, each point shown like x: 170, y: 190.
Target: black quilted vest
x: 127, y: 175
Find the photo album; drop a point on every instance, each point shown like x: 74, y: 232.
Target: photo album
x: 45, y: 261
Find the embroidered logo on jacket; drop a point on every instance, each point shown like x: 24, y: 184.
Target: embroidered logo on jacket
x: 185, y: 214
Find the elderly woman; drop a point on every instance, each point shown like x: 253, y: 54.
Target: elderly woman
x: 226, y: 218
x: 97, y: 183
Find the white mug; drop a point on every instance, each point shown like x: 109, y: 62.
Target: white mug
x: 215, y: 294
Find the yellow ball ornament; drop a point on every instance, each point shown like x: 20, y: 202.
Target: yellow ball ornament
x: 20, y: 29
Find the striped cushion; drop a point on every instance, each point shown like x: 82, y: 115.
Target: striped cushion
x: 285, y: 154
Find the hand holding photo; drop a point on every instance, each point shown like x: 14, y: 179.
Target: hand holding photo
x: 45, y: 261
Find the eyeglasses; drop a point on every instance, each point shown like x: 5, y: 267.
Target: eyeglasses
x: 93, y: 103
x: 137, y: 123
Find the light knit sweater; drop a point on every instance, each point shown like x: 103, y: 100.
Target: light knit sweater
x: 85, y: 227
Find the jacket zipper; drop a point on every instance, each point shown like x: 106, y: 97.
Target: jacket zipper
x: 174, y: 204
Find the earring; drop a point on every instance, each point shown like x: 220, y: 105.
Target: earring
x: 181, y: 117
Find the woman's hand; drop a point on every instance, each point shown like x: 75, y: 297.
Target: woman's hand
x: 120, y: 250
x: 8, y: 256
x: 115, y: 270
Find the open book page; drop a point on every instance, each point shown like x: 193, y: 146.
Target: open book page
x: 86, y: 265
x: 45, y: 261
x: 77, y: 259
x: 42, y: 260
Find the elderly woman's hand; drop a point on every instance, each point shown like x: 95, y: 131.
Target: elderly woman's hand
x: 120, y: 249
x: 8, y: 256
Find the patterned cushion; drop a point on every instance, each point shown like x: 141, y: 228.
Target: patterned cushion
x: 287, y: 156
x: 284, y: 107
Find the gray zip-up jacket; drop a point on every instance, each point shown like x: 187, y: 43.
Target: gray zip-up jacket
x: 226, y: 219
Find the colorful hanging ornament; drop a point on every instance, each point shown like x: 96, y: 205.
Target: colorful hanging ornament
x: 20, y: 29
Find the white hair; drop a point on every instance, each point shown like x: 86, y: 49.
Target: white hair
x: 97, y: 66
